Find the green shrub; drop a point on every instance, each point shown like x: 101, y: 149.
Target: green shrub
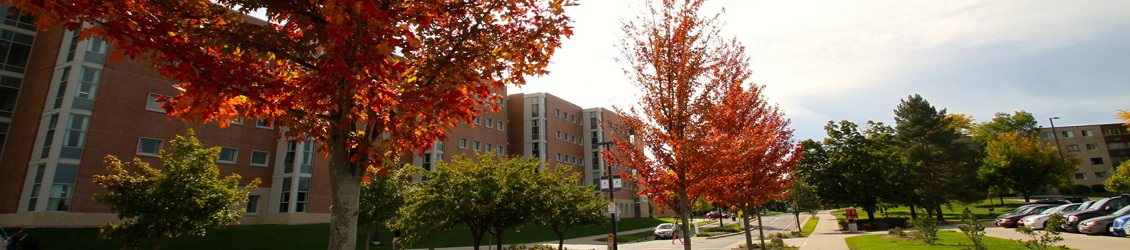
x: 1098, y: 188
x: 703, y: 234
x: 1045, y: 240
x: 972, y: 229
x: 728, y: 229
x: 843, y: 223
x: 926, y: 229
x: 897, y: 231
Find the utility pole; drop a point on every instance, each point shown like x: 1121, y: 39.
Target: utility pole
x: 1055, y: 135
x: 611, y: 200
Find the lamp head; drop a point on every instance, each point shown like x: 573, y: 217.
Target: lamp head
x: 1054, y: 117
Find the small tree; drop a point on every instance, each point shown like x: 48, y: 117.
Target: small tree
x: 1045, y: 240
x: 1119, y: 181
x: 972, y: 229
x: 381, y: 198
x: 802, y: 198
x: 182, y: 198
x: 564, y: 206
x: 925, y: 229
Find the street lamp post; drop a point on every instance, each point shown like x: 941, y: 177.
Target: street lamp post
x: 611, y: 200
x: 1055, y: 135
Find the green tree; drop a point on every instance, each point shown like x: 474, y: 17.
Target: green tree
x: 564, y: 205
x: 972, y: 229
x: 1119, y: 181
x: 802, y: 198
x: 490, y: 194
x: 381, y: 198
x: 1022, y: 164
x: 1021, y: 122
x: 854, y: 167
x: 183, y: 198
x: 933, y: 150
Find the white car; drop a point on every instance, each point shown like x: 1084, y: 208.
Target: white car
x: 665, y: 231
x: 1038, y: 221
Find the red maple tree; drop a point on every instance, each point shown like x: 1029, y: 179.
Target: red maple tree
x: 368, y: 79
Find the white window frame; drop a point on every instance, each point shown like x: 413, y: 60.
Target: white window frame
x: 463, y: 143
x: 1068, y: 134
x: 263, y: 127
x: 489, y: 123
x: 477, y: 145
x: 252, y: 160
x: 559, y: 134
x: 499, y: 127
x: 247, y: 206
x: 151, y: 100
x: 234, y: 156
x: 499, y: 152
x: 237, y: 121
x: 160, y: 146
x: 1088, y: 133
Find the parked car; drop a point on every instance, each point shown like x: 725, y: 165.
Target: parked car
x: 1039, y: 221
x: 665, y: 231
x: 1118, y: 227
x: 716, y: 214
x: 1011, y: 220
x: 1101, y: 224
x: 1051, y: 202
x: 1099, y: 208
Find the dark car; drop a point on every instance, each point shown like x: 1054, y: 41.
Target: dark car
x: 716, y: 214
x: 1102, y: 224
x: 1017, y: 210
x: 1012, y: 219
x: 1099, y: 208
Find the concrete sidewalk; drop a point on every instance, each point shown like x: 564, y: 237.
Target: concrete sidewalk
x: 827, y: 234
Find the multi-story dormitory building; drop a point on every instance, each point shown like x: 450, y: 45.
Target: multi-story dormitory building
x: 1095, y: 149
x: 63, y: 108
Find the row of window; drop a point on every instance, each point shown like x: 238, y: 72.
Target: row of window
x: 489, y: 123
x: 154, y: 105
x: 478, y: 146
x: 570, y: 138
x: 1086, y: 132
x: 570, y: 159
x: 569, y: 117
x: 1083, y: 176
x: 62, y: 187
x: 152, y: 146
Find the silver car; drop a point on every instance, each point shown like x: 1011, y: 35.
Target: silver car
x: 665, y: 231
x: 1039, y: 221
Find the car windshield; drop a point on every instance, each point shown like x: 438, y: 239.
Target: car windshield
x: 1125, y: 210
x: 1098, y: 204
x: 1084, y: 205
x: 1057, y: 209
x: 666, y: 226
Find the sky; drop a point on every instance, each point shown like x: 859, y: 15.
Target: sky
x: 826, y: 61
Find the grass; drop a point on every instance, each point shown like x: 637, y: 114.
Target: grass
x: 946, y: 240
x: 313, y: 236
x: 622, y: 238
x: 809, y: 226
x: 981, y: 209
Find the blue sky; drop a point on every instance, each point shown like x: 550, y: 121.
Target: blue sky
x: 855, y: 60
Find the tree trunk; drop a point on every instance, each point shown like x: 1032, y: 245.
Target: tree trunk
x: 685, y: 211
x: 369, y: 236
x: 760, y: 231
x: 477, y: 238
x: 870, y: 214
x: 156, y: 244
x: 796, y: 213
x: 748, y: 237
x: 1001, y: 195
x: 1025, y: 194
x: 345, y: 184
x: 560, y: 240
x: 940, y: 217
x: 498, y: 238
x: 913, y: 214
x: 720, y: 221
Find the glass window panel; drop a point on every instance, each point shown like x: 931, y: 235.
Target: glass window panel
x: 91, y: 75
x: 70, y: 153
x: 228, y: 154
x: 60, y: 191
x: 286, y: 184
x: 65, y: 173
x: 259, y: 157
x: 149, y: 146
x: 58, y: 204
x: 152, y: 104
x: 303, y: 184
x: 253, y: 204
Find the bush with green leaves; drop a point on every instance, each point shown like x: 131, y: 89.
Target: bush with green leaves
x: 1047, y: 239
x: 184, y: 197
x: 972, y: 229
x: 925, y: 229
x: 897, y: 231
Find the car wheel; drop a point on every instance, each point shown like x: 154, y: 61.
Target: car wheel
x: 1045, y: 226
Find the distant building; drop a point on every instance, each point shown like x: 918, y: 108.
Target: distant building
x: 1095, y: 149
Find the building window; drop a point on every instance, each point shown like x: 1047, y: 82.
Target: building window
x: 288, y: 159
x: 1068, y: 134
x: 1117, y: 145
x: 1093, y: 146
x: 489, y: 123
x: 595, y: 160
x: 62, y: 188
x: 499, y: 126
x: 476, y: 146
x: 95, y: 51
x: 594, y: 140
x: 303, y: 195
x: 9, y: 91
x: 52, y: 122
x: 559, y: 134
x: 35, y: 187
x: 1072, y: 148
x: 573, y: 138
x: 61, y: 92
x: 87, y: 89
x: 17, y: 18
x: 476, y: 121
x: 536, y: 152
x: 228, y: 155
x: 284, y: 197
x: 152, y: 104
x: 149, y: 146
x: 252, y: 204
x: 260, y: 158
x: 307, y: 157
x: 1048, y: 135
x: 75, y: 137
x: 488, y: 147
x: 15, y: 50
x: 260, y: 123
x: 1097, y: 161
x: 557, y: 113
x: 427, y: 162
x: 1088, y: 133
x: 1117, y: 161
x: 534, y: 110
x: 463, y: 143
x: 535, y: 129
x: 237, y: 121
x: 1100, y: 175
x: 1114, y: 131
x: 558, y: 157
x: 499, y: 152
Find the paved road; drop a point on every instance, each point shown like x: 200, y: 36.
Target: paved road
x: 1072, y: 240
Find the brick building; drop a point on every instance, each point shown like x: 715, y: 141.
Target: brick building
x: 1095, y: 149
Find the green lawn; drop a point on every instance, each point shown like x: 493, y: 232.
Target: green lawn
x: 314, y: 236
x: 981, y: 209
x: 809, y: 226
x: 622, y: 238
x: 946, y: 240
